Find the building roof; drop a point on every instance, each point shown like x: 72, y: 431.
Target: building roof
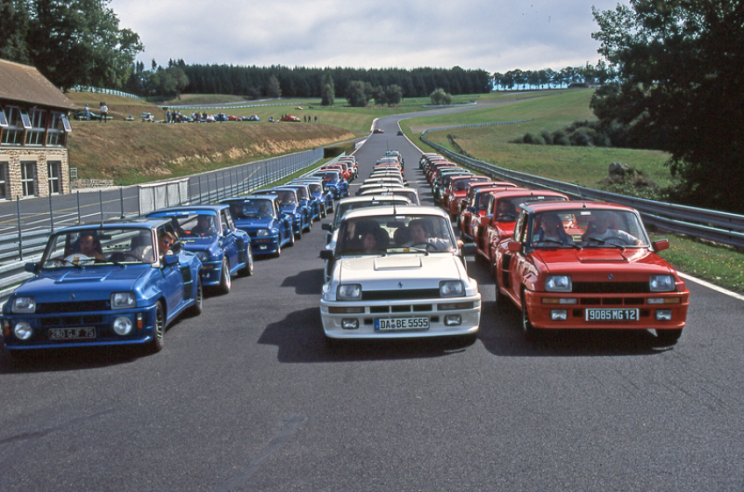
x: 25, y: 84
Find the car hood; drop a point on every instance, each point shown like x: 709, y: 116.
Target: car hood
x: 87, y: 283
x: 588, y: 263
x: 200, y: 243
x: 380, y: 272
x: 254, y: 224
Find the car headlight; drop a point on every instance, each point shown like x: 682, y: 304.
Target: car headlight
x: 262, y: 232
x: 23, y: 305
x: 558, y: 283
x: 349, y: 292
x: 662, y: 283
x: 122, y: 325
x: 199, y: 254
x: 122, y: 300
x: 451, y: 288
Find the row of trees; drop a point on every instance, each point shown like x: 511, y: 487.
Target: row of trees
x: 539, y: 79
x: 71, y: 42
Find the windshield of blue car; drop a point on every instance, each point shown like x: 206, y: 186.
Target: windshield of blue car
x: 315, y: 188
x: 99, y: 246
x: 395, y: 234
x: 249, y: 209
x: 197, y: 224
x: 589, y: 229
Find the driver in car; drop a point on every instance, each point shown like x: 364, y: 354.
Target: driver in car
x: 602, y: 233
x: 418, y: 233
x: 90, y: 246
x: 204, y: 225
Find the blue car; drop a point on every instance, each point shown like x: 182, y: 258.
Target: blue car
x: 307, y: 200
x: 335, y: 183
x: 259, y: 216
x: 290, y: 204
x: 210, y: 233
x: 319, y: 192
x: 114, y: 283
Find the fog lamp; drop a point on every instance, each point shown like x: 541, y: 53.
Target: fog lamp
x: 22, y: 330
x: 558, y: 314
x: 452, y: 320
x: 349, y: 323
x: 122, y: 325
x: 663, y: 315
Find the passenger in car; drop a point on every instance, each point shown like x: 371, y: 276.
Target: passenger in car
x: 551, y: 232
x: 601, y: 231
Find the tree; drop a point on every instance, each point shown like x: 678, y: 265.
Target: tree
x: 393, y: 94
x: 680, y: 69
x: 14, y: 25
x: 272, y: 88
x: 327, y: 91
x: 439, y: 97
x: 378, y: 94
x: 355, y: 94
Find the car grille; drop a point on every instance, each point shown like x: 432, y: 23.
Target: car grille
x: 72, y: 307
x: 396, y: 295
x: 610, y: 288
x: 188, y: 284
x: 71, y: 321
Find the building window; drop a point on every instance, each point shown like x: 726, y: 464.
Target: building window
x: 28, y: 178
x: 38, y: 121
x: 13, y: 133
x: 54, y: 177
x: 56, y: 130
x: 3, y: 180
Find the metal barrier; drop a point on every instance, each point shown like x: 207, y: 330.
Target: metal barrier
x: 152, y: 197
x: 721, y: 227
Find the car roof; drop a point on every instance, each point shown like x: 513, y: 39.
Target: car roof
x: 191, y: 208
x: 371, y: 198
x: 249, y: 197
x: 403, y: 210
x: 140, y: 223
x: 582, y: 205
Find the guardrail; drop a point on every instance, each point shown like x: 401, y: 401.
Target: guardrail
x: 721, y: 227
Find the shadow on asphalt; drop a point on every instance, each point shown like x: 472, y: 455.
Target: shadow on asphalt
x: 300, y: 339
x: 306, y: 282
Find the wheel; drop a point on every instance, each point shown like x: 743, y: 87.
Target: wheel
x: 158, y: 334
x: 309, y: 226
x: 668, y: 337
x: 299, y: 234
x: 247, y: 270
x: 323, y: 213
x: 279, y: 246
x: 530, y: 332
x: 225, y: 280
x: 198, y: 306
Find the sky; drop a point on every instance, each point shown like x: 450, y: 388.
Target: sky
x: 493, y: 35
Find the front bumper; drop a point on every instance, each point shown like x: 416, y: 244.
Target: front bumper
x: 264, y: 245
x: 468, y: 309
x: 211, y: 272
x: 540, y: 311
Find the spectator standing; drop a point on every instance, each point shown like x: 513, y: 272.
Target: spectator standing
x: 87, y: 113
x: 167, y: 116
x: 104, y: 112
x: 316, y: 119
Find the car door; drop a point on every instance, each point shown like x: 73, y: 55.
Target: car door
x: 173, y: 280
x: 229, y: 241
x: 520, y: 262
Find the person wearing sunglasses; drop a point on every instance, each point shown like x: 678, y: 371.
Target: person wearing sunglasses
x: 165, y: 241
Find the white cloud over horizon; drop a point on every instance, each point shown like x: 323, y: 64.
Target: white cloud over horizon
x: 495, y: 35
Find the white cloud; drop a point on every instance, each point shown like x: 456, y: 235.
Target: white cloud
x: 495, y: 35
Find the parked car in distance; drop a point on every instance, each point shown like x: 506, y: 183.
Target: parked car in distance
x: 589, y: 265
x: 147, y: 117
x: 253, y: 117
x: 398, y: 273
x: 107, y: 283
x: 291, y: 118
x: 378, y: 130
x: 209, y: 232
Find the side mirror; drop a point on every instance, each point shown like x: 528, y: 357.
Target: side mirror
x: 326, y: 226
x: 469, y: 249
x: 514, y: 246
x: 471, y: 209
x: 660, y: 245
x: 170, y: 260
x: 30, y: 267
x: 326, y: 254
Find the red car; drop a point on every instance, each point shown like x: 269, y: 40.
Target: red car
x: 479, y: 223
x: 503, y: 211
x: 378, y: 130
x: 456, y: 191
x: 589, y: 265
x: 289, y: 117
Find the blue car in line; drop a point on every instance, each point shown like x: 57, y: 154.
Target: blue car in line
x: 335, y: 182
x: 112, y: 283
x: 306, y: 199
x: 209, y: 232
x: 289, y: 204
x: 259, y: 216
x: 319, y: 192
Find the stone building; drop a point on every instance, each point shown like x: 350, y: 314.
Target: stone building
x: 34, y: 128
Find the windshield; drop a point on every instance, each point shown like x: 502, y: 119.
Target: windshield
x: 197, y: 224
x: 249, y: 209
x: 315, y: 188
x: 507, y: 209
x: 286, y: 197
x: 342, y: 208
x: 395, y: 234
x: 99, y: 246
x: 588, y: 229
x: 462, y: 184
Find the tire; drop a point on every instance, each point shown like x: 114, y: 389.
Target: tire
x: 225, y: 280
x: 668, y: 337
x: 198, y: 306
x: 500, y: 299
x: 309, y: 226
x: 247, y: 270
x: 299, y: 234
x: 279, y: 246
x: 530, y: 332
x: 158, y: 336
x: 323, y: 213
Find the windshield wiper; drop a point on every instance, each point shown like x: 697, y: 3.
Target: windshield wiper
x: 560, y: 243
x: 605, y: 243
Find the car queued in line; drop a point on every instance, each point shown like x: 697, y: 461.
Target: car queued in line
x: 567, y: 265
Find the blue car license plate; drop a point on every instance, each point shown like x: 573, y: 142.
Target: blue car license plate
x: 72, y: 333
x: 393, y: 324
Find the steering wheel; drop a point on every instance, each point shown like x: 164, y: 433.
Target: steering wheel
x: 123, y: 255
x: 79, y: 259
x: 425, y: 245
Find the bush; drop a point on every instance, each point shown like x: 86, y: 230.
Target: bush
x: 439, y: 97
x: 547, y: 137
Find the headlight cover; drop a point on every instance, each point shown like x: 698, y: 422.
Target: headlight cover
x: 23, y: 305
x: 558, y: 283
x: 123, y: 300
x: 349, y: 292
x: 451, y: 288
x: 662, y: 283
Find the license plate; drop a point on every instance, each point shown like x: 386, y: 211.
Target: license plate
x: 612, y: 315
x: 392, y: 324
x: 72, y: 333
x: 262, y: 247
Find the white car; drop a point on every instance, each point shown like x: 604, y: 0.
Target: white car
x: 398, y: 273
x: 147, y: 117
x: 409, y: 193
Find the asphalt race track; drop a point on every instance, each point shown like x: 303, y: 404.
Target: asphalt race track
x: 248, y: 397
